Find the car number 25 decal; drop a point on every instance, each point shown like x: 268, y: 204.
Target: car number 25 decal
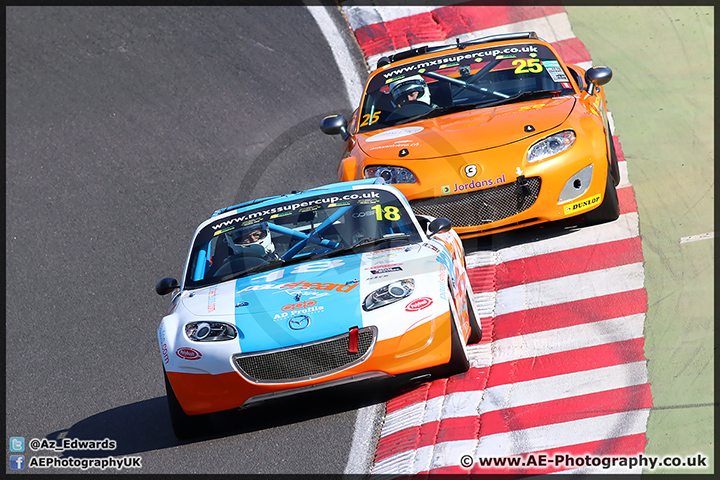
x: 366, y: 120
x: 531, y: 65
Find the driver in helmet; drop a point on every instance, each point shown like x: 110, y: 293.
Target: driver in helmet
x: 410, y: 89
x: 254, y: 236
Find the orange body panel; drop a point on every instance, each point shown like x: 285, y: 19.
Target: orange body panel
x: 424, y: 346
x: 494, y: 143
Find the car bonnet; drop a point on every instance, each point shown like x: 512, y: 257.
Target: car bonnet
x: 298, y: 304
x: 467, y: 131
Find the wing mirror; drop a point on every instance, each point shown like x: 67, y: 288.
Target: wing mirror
x: 439, y: 225
x: 596, y: 77
x: 166, y: 285
x: 333, y: 125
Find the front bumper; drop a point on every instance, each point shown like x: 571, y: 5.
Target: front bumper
x: 533, y: 194
x: 420, y: 348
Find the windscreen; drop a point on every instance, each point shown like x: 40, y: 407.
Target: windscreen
x: 460, y: 80
x: 297, y: 230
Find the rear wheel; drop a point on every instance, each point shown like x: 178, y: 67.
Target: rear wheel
x: 184, y: 426
x: 609, y: 209
x: 459, y: 362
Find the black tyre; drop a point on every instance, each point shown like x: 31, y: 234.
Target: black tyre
x: 184, y: 426
x: 614, y: 166
x: 459, y: 362
x: 609, y: 209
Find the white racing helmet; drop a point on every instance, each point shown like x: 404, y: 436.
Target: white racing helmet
x: 251, y: 235
x: 400, y: 88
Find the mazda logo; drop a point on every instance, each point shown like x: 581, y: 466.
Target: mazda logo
x: 298, y: 322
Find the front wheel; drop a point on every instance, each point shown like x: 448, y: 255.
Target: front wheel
x: 614, y: 165
x: 609, y: 209
x: 184, y: 426
x: 459, y: 362
x: 475, y: 328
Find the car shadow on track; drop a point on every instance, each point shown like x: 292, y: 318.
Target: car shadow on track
x: 145, y: 426
x: 523, y: 235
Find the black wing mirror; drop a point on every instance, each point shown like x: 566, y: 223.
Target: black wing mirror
x: 333, y: 125
x: 166, y: 285
x: 439, y: 225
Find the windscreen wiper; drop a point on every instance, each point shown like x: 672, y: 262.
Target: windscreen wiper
x: 270, y: 265
x: 362, y: 243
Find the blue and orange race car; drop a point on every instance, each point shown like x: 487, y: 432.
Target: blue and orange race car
x: 335, y: 284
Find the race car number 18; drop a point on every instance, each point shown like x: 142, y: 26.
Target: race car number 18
x: 391, y: 213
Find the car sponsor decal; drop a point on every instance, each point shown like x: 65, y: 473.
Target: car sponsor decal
x: 299, y: 305
x: 472, y: 185
x: 187, y: 353
x: 278, y: 215
x: 317, y: 309
x: 555, y: 71
x: 249, y: 218
x: 394, y: 133
x: 212, y: 294
x: 379, y: 271
x: 470, y: 170
x: 582, y: 205
x: 163, y: 344
x: 399, y: 144
x: 431, y: 247
x: 334, y: 287
x: 418, y: 304
x: 507, y: 52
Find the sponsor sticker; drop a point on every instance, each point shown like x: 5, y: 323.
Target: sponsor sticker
x: 395, y: 133
x: 582, y: 205
x: 555, y: 71
x: 379, y: 271
x: 418, y: 304
x: 299, y: 305
x: 472, y: 184
x: 187, y: 353
x: 278, y: 215
x: 163, y: 344
x: 211, y: 299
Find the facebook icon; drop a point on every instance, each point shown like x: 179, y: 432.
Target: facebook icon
x: 17, y: 462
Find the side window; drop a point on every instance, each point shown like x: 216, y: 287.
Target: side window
x: 577, y: 76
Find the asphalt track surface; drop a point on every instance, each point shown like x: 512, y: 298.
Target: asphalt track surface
x: 125, y: 128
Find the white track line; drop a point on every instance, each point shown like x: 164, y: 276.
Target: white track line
x: 354, y: 84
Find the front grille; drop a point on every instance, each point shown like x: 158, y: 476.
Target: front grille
x: 481, y: 206
x: 305, y: 361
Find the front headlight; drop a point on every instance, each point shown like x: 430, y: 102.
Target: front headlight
x: 389, y: 294
x: 210, y: 331
x: 551, y: 145
x: 390, y: 174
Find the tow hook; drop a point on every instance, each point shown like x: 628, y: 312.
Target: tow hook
x: 521, y: 186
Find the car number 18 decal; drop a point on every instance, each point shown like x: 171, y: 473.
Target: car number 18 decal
x: 389, y: 212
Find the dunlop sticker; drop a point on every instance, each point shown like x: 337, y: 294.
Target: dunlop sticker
x: 582, y: 205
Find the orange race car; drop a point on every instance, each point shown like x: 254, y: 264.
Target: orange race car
x: 494, y: 134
